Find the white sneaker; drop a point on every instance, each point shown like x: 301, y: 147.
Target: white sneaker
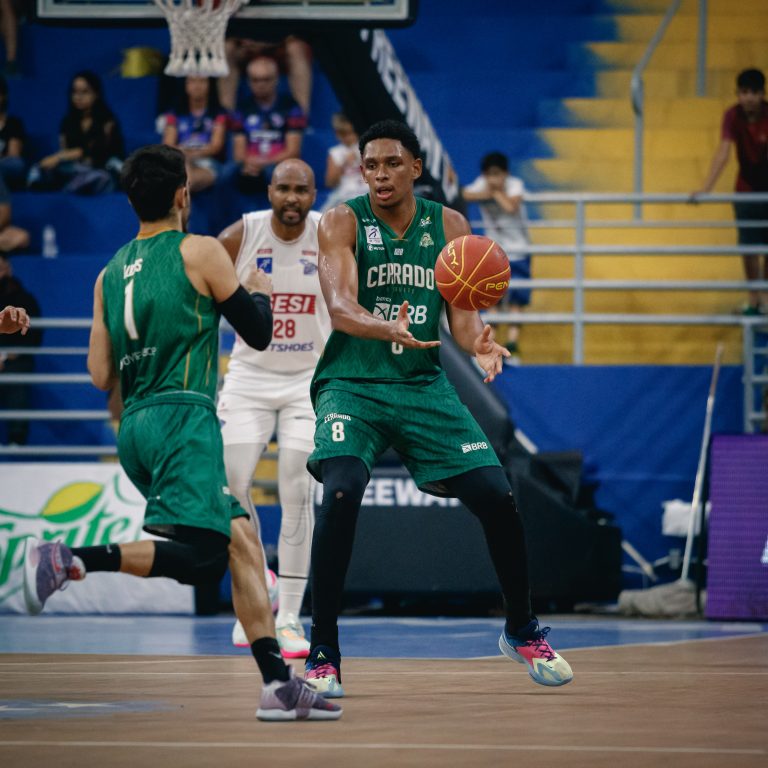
x: 290, y: 638
x: 294, y: 700
x: 238, y: 633
x: 273, y: 588
x: 238, y: 636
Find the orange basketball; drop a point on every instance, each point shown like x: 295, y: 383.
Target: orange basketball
x: 472, y: 272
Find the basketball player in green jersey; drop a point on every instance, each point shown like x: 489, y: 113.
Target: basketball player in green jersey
x: 156, y: 315
x: 380, y: 384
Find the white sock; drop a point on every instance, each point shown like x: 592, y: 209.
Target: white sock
x: 294, y: 546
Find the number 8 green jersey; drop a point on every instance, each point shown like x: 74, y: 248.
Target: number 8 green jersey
x: 164, y: 333
x: 390, y: 271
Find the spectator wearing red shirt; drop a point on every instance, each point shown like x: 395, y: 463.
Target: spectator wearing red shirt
x: 199, y: 129
x: 269, y: 128
x: 745, y: 125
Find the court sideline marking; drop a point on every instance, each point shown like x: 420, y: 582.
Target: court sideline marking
x: 388, y: 746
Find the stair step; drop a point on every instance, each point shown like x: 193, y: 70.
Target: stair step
x: 666, y: 83
x: 598, y: 175
x: 704, y: 113
x: 619, y: 143
x: 737, y: 54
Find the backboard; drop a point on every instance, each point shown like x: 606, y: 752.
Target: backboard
x: 373, y: 12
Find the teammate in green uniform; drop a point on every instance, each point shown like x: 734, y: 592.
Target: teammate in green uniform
x: 156, y: 314
x: 380, y: 384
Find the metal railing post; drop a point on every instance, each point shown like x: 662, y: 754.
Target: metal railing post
x: 637, y: 96
x: 748, y: 353
x: 701, y: 51
x: 578, y: 289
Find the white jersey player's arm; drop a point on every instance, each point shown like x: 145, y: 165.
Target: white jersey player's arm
x: 232, y: 239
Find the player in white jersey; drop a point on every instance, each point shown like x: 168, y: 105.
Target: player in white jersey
x: 268, y: 391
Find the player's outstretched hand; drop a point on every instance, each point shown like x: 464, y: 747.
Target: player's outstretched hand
x: 402, y: 336
x: 258, y: 281
x: 489, y: 354
x: 14, y: 319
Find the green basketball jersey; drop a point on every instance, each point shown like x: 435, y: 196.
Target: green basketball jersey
x: 390, y: 271
x: 164, y: 333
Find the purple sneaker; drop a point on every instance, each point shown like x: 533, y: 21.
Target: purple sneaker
x: 294, y: 700
x: 47, y: 568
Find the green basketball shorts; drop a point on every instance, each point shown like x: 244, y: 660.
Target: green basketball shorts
x: 430, y: 428
x: 174, y: 455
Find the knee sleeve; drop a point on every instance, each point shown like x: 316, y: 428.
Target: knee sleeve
x: 344, y: 482
x: 195, y: 558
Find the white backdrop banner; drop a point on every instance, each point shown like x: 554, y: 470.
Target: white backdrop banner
x: 82, y: 505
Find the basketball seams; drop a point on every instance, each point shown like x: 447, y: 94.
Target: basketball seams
x: 458, y: 289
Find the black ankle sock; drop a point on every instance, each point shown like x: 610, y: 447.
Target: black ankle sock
x: 327, y: 636
x: 266, y: 651
x: 515, y: 629
x: 105, y: 558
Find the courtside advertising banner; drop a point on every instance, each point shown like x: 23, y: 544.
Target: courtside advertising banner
x: 82, y: 505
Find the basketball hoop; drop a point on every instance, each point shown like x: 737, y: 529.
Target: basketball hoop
x: 197, y: 30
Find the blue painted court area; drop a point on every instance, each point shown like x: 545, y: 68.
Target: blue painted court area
x: 363, y: 637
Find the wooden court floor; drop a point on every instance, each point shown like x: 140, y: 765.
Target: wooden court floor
x: 701, y: 704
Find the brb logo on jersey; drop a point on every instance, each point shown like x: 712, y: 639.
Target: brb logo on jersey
x: 309, y: 266
x: 265, y: 263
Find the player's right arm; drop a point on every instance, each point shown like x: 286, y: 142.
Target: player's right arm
x: 246, y: 307
x: 100, y: 363
x: 336, y: 236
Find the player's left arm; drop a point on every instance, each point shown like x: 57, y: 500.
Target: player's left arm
x: 100, y: 363
x: 466, y: 326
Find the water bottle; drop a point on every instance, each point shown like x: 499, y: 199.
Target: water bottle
x: 50, y: 248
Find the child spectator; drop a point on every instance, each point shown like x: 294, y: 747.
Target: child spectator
x: 91, y: 144
x: 500, y: 197
x: 342, y: 170
x: 199, y: 129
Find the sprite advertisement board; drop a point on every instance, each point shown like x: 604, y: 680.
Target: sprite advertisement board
x: 81, y: 505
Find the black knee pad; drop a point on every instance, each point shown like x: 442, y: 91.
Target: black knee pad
x: 196, y: 557
x: 344, y: 482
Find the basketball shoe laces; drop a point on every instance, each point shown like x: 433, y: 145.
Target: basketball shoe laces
x: 541, y: 646
x: 324, y: 670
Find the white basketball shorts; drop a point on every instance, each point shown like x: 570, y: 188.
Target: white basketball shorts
x: 255, y: 407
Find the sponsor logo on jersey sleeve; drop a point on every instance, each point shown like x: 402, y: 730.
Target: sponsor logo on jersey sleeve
x: 265, y: 263
x: 310, y: 267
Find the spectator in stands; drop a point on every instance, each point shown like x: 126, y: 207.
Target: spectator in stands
x: 13, y: 320
x: 91, y: 144
x: 12, y: 238
x: 199, y: 129
x: 13, y: 170
x: 342, y: 170
x: 500, y: 197
x: 269, y: 128
x: 745, y: 125
x: 293, y: 55
x: 9, y: 24
x: 16, y: 396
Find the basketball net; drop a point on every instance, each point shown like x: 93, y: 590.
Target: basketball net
x: 197, y: 30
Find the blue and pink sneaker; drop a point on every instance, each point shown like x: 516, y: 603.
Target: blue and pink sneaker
x: 48, y: 567
x: 530, y: 647
x: 322, y: 670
